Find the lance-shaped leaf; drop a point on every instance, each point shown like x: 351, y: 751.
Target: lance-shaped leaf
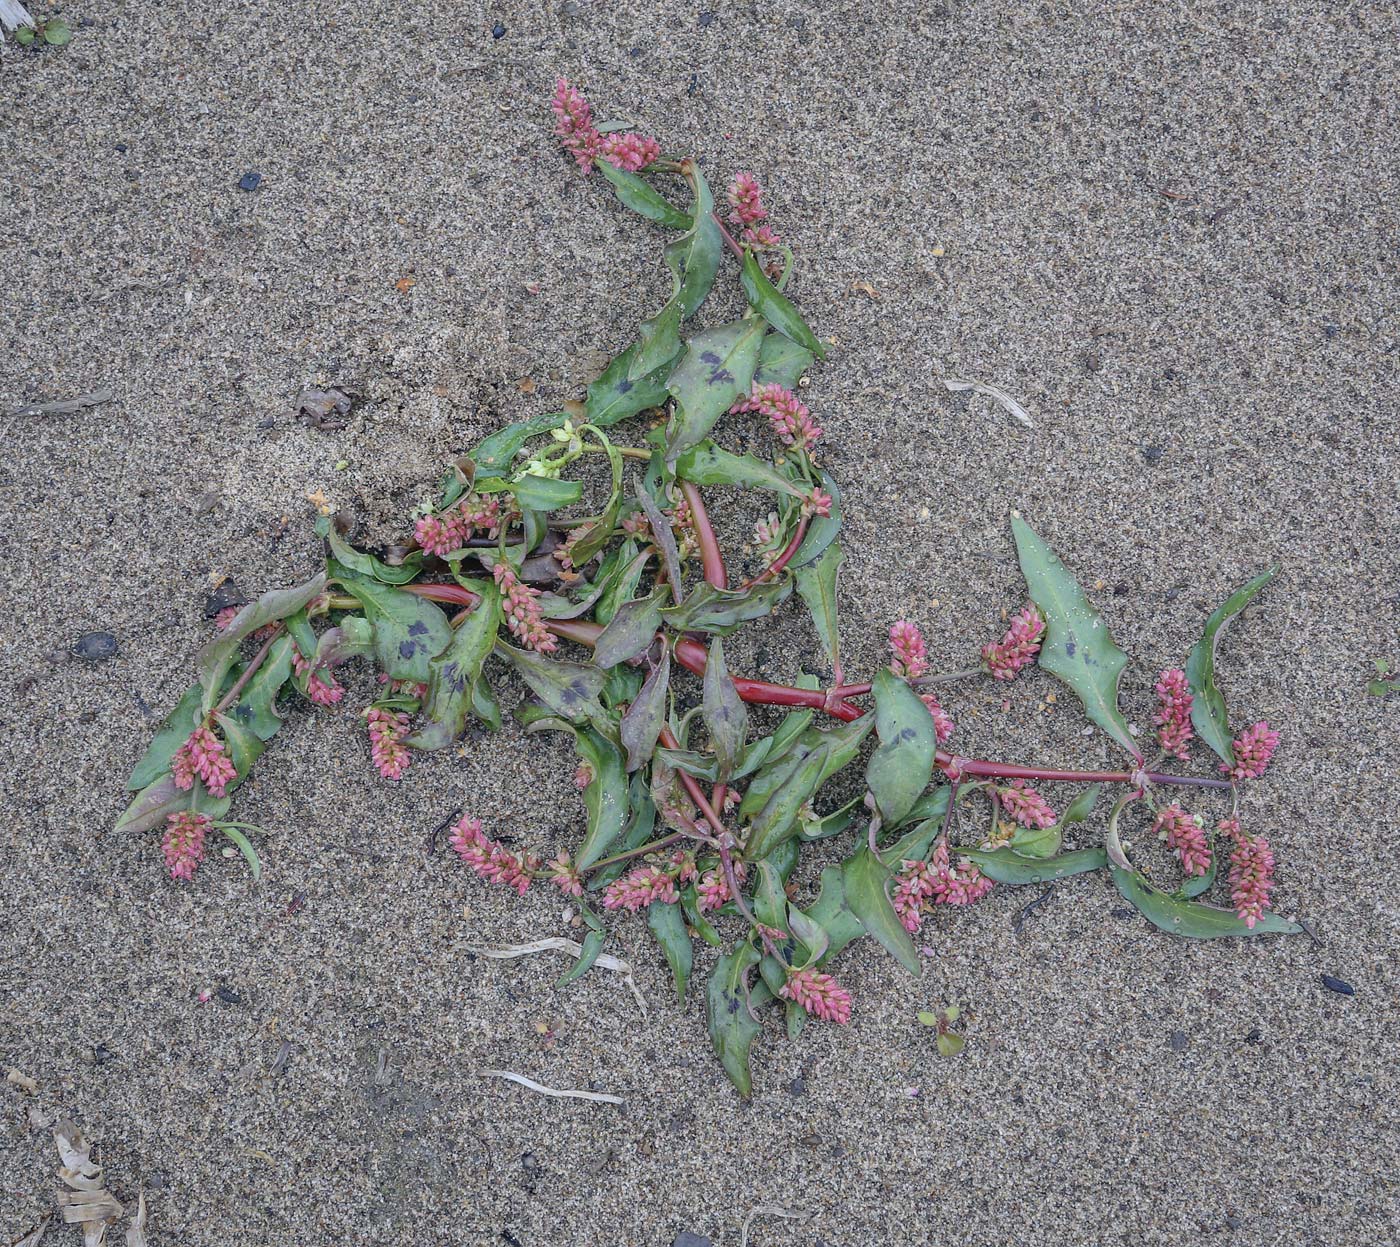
x: 176, y: 729
x: 642, y: 198
x: 730, y: 1009
x: 622, y: 686
x: 485, y: 707
x: 665, y: 541
x: 409, y: 631
x: 781, y: 362
x: 632, y: 629
x: 867, y: 879
x: 160, y: 798
x: 726, y: 718
x: 708, y: 464
x: 646, y: 716
x: 456, y: 671
x: 722, y: 611
x: 771, y: 909
x: 605, y: 798
x: 914, y: 845
x: 816, y: 583
x: 591, y: 540
x: 256, y: 708
x: 1046, y: 841
x: 569, y: 689
x: 1199, y: 885
x: 244, y: 747
x: 832, y: 912
x: 1191, y: 919
x: 775, y: 307
x: 588, y: 954
x: 621, y: 583
x: 545, y: 493
x: 822, y: 530
x: 615, y: 396
x: 366, y: 564
x: 218, y: 655
x: 1006, y: 866
x: 658, y: 341
x: 902, y: 765
x: 694, y: 257
x: 1077, y: 647
x: 668, y: 925
x: 716, y: 369
x: 493, y: 456
x: 1209, y: 715
x: 697, y: 921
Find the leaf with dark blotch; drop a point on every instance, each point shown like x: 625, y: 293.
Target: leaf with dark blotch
x: 1005, y: 866
x: 456, y: 671
x: 545, y: 493
x: 570, y: 689
x: 605, y: 798
x: 160, y: 798
x: 658, y: 341
x: 726, y: 718
x: 722, y: 611
x: 218, y: 655
x: 694, y: 257
x: 646, y: 716
x: 866, y: 893
x: 822, y: 530
x: 1191, y: 919
x: 642, y: 198
x: 708, y: 464
x: 832, y: 913
x: 1077, y: 647
x: 668, y: 925
x: 730, y: 1007
x: 901, y: 767
x: 613, y: 397
x: 716, y: 369
x: 256, y: 708
x: 366, y: 564
x: 775, y: 307
x: 494, y: 456
x: 781, y: 362
x: 588, y: 954
x: 176, y: 729
x: 1209, y: 715
x: 409, y: 631
x: 631, y: 631
x: 816, y: 584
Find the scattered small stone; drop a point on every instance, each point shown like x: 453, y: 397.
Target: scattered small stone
x: 95, y: 647
x: 207, y: 501
x: 250, y: 180
x: 1153, y: 455
x: 1121, y: 912
x: 229, y: 996
x: 1233, y: 1222
x: 498, y: 31
x: 1340, y: 986
x: 706, y: 19
x: 1093, y: 362
x: 694, y: 88
x: 1120, y: 591
x: 797, y: 1087
x: 1178, y: 1041
x: 1255, y: 1036
x: 121, y: 147
x: 688, y: 1238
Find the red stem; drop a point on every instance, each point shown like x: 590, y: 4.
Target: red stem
x: 782, y: 560
x: 457, y: 595
x: 711, y: 560
x: 247, y: 674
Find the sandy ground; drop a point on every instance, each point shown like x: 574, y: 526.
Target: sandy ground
x: 1168, y: 229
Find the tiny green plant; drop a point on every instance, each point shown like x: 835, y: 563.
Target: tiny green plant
x: 695, y: 817
x: 948, y: 1043
x: 53, y: 32
x: 1380, y: 686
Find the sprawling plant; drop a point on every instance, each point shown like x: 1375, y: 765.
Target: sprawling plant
x: 692, y: 816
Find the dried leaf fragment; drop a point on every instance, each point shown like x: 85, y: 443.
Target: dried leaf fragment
x: 22, y: 1081
x: 865, y: 288
x: 405, y: 284
x: 980, y: 387
x: 324, y: 409
x: 136, y: 1231
x: 551, y: 1091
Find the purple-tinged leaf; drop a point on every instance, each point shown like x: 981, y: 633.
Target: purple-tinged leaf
x: 646, y: 716
x: 160, y: 798
x: 716, y: 370
x: 726, y: 718
x: 631, y: 631
x: 722, y: 611
x: 457, y: 670
x: 570, y: 689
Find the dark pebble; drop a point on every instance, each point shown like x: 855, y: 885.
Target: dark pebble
x: 1255, y: 1036
x: 121, y: 147
x: 1094, y: 363
x: 1153, y: 454
x: 634, y: 52
x: 1121, y: 912
x: 229, y: 996
x: 227, y: 594
x: 688, y: 1238
x: 250, y: 180
x: 102, y: 1054
x: 95, y: 647
x: 1120, y: 591
x: 694, y: 88
x: 706, y: 19
x: 1331, y: 330
x: 798, y: 1086
x: 1340, y: 986
x: 1232, y: 1222
x: 498, y: 31
x: 1178, y: 1041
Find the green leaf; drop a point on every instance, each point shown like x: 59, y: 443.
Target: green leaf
x: 256, y: 708
x: 822, y: 530
x: 810, y: 934
x: 160, y: 798
x: 716, y: 369
x: 901, y: 767
x: 455, y: 673
x: 866, y: 894
x: 605, y: 798
x: 56, y: 32
x: 1037, y: 842
x: 658, y: 341
x: 914, y: 845
x: 621, y: 578
x: 696, y: 920
x: 781, y: 362
x: 729, y: 1007
x: 1004, y: 866
x: 485, y: 707
x: 832, y: 824
x: 352, y: 637
x: 250, y: 854
x: 592, y: 541
x: 569, y: 689
x: 1382, y: 688
x: 816, y: 584
x: 646, y: 716
x: 775, y: 307
x: 726, y: 718
x: 640, y: 825
x: 613, y: 396
x: 409, y: 631
x: 218, y: 655
x: 493, y: 457
x: 631, y: 631
x: 1077, y: 647
x: 949, y: 1044
x: 694, y: 257
x: 24, y: 36
x: 1191, y: 919
x: 639, y: 195
x: 588, y: 954
x: 926, y: 1018
x: 366, y: 564
x: 1199, y: 885
x: 173, y: 733
x: 244, y: 748
x: 545, y: 493
x: 622, y: 686
x: 722, y: 611
x: 1082, y: 806
x: 708, y: 464
x: 833, y: 914
x: 668, y: 925
x: 1209, y: 715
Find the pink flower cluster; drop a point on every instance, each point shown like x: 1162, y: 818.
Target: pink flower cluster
x: 790, y: 418
x: 224, y: 620
x: 490, y: 858
x: 820, y: 994
x: 642, y: 887
x: 203, y: 756
x: 183, y: 844
x: 1025, y: 805
x: 451, y: 529
x: 1251, y: 872
x: 747, y: 210
x: 1185, y: 836
x: 324, y: 692
x: 907, y: 646
x: 818, y: 502
x: 1018, y: 647
x: 1173, y: 717
x: 574, y: 128
x: 942, y: 721
x: 564, y: 875
x: 387, y: 728
x: 522, y: 611
x: 713, y: 889
x: 935, y: 882
x: 1253, y: 749
x: 403, y: 688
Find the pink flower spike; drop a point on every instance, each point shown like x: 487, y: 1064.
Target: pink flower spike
x: 522, y: 611
x: 760, y: 236
x: 564, y: 875
x: 1253, y: 749
x: 573, y: 125
x: 226, y: 617
x: 910, y: 652
x: 1018, y: 648
x: 942, y: 721
x: 962, y: 884
x: 1173, y: 716
x: 632, y: 152
x: 489, y: 858
x: 818, y: 502
x: 639, y: 889
x: 203, y: 756
x: 790, y: 418
x: 183, y: 844
x: 1185, y: 836
x: 1251, y: 873
x: 387, y: 728
x: 324, y: 691
x: 1025, y: 805
x: 820, y: 994
x: 746, y: 200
